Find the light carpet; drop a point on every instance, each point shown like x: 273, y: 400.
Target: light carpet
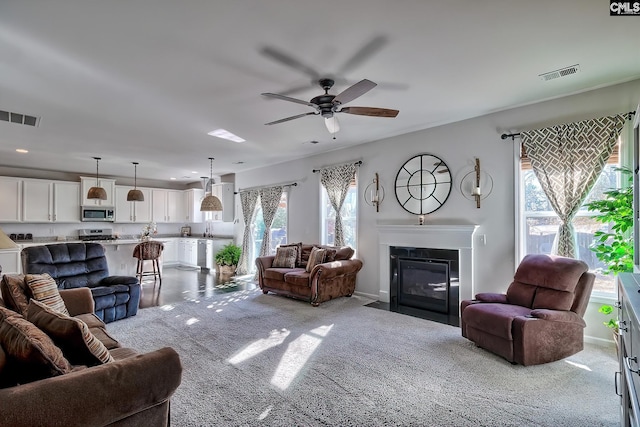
x: 254, y: 359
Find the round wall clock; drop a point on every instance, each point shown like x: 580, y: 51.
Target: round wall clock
x: 423, y: 184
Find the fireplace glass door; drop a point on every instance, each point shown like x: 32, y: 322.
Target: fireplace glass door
x: 424, y: 283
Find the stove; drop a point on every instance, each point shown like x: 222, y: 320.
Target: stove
x: 92, y: 234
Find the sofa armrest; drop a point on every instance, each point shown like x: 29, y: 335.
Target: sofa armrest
x: 78, y: 301
x: 264, y: 262
x: 491, y: 297
x: 118, y: 280
x: 336, y: 268
x: 100, y: 395
x: 557, y: 316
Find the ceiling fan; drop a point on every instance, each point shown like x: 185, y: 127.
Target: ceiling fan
x: 327, y: 105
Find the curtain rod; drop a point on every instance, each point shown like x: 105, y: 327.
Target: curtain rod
x: 291, y: 184
x: 513, y: 135
x: 358, y: 163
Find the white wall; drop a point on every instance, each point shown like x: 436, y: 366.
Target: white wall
x: 457, y: 144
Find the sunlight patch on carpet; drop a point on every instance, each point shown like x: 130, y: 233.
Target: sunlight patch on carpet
x: 578, y: 365
x: 275, y: 338
x: 192, y: 321
x: 298, y: 353
x: 264, y: 413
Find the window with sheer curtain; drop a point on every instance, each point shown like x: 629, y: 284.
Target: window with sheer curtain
x: 349, y: 215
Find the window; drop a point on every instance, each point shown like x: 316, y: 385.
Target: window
x: 539, y: 223
x: 278, y: 228
x: 349, y: 217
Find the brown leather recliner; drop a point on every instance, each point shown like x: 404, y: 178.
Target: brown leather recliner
x: 539, y: 319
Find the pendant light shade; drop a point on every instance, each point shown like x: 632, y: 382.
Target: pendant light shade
x: 97, y: 192
x: 210, y: 203
x: 135, y: 195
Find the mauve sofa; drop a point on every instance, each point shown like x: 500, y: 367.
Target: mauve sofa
x: 332, y: 279
x: 539, y: 319
x: 134, y: 390
x: 75, y: 265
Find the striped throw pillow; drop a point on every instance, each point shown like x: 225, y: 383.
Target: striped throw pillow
x: 316, y: 257
x: 45, y: 289
x: 72, y: 335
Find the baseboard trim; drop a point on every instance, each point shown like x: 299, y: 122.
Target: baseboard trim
x: 364, y: 294
x: 598, y: 341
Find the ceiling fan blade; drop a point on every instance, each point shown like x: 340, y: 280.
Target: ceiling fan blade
x: 289, y: 61
x: 364, y: 53
x: 286, y: 119
x: 370, y: 111
x: 352, y: 92
x: 287, y: 98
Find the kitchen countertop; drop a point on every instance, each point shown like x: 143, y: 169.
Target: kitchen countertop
x: 119, y: 241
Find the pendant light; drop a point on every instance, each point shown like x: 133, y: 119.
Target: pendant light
x: 97, y: 192
x: 135, y: 195
x: 210, y: 202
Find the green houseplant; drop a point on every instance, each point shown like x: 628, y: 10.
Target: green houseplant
x: 615, y: 247
x: 227, y: 258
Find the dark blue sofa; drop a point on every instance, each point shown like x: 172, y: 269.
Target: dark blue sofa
x: 75, y: 265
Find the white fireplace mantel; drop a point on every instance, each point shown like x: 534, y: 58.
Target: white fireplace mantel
x: 459, y: 237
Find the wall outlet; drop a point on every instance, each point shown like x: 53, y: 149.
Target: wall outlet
x: 482, y: 239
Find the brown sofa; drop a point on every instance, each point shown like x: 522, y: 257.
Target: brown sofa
x: 132, y: 390
x: 336, y: 277
x: 539, y: 319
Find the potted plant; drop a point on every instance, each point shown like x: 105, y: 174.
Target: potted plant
x: 227, y: 259
x: 612, y: 323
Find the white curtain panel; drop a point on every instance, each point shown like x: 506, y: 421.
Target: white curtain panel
x: 269, y: 200
x: 567, y: 160
x: 336, y: 180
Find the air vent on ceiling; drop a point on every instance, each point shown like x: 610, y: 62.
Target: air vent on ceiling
x: 563, y: 72
x: 21, y: 119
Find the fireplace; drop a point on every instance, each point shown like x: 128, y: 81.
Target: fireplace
x: 442, y: 245
x: 425, y: 282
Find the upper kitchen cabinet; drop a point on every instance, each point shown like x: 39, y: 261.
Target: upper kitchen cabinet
x: 46, y: 201
x: 224, y: 192
x: 108, y: 185
x: 167, y: 205
x: 127, y: 211
x: 193, y: 199
x: 11, y: 191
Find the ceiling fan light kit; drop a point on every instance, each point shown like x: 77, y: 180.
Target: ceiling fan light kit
x: 97, y: 192
x: 135, y: 195
x: 326, y: 105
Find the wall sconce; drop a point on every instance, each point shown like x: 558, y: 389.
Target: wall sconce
x: 374, y: 193
x: 476, y: 185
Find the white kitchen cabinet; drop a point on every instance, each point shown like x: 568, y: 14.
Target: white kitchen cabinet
x: 11, y: 196
x: 193, y: 199
x: 188, y: 252
x: 127, y: 211
x: 167, y: 205
x: 224, y: 192
x: 10, y: 261
x: 46, y: 201
x: 170, y: 252
x: 108, y: 185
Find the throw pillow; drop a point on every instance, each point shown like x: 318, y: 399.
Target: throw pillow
x: 31, y: 352
x: 45, y: 290
x: 285, y: 257
x: 298, y: 246
x: 316, y: 257
x: 72, y: 335
x: 15, y: 292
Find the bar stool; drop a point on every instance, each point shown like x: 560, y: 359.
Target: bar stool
x: 148, y: 251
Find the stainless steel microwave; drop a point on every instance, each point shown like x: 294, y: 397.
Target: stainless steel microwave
x: 97, y: 213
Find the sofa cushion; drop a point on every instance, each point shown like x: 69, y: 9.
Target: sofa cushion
x: 276, y: 273
x: 344, y: 253
x: 72, y: 335
x: 298, y: 247
x: 552, y: 299
x: 15, y: 292
x: 298, y: 278
x: 45, y: 289
x: 493, y: 318
x: 286, y: 257
x: 316, y: 257
x: 548, y: 271
x: 306, y: 251
x: 521, y: 294
x: 31, y: 354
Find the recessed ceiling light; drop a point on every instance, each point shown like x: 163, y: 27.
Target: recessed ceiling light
x: 172, y: 178
x: 225, y: 134
x: 238, y: 163
x: 21, y: 150
x: 194, y: 171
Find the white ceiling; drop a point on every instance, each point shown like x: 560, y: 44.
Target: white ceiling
x: 145, y: 80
